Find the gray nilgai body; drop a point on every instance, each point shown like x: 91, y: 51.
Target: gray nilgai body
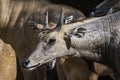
x: 96, y: 39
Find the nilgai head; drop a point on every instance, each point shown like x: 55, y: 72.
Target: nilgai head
x: 52, y: 43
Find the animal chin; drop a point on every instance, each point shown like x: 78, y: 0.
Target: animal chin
x: 33, y: 67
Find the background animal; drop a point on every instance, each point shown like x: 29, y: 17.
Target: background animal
x: 8, y: 68
x: 74, y: 68
x: 106, y: 7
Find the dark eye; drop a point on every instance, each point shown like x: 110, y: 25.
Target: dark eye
x: 51, y: 41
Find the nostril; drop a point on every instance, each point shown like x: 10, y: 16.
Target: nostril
x: 25, y: 63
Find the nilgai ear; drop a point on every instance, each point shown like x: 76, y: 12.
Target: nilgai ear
x: 67, y: 41
x: 69, y: 19
x: 33, y: 25
x: 79, y: 32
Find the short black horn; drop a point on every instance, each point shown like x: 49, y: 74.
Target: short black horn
x: 61, y: 19
x: 46, y: 20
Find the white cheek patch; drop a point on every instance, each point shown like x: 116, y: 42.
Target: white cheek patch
x: 55, y: 53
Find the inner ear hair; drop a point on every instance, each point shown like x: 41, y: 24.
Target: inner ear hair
x: 69, y: 19
x: 79, y: 32
x: 34, y: 26
x: 32, y: 23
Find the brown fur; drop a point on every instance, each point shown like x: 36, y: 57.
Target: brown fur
x: 74, y: 69
x: 103, y: 70
x: 7, y: 62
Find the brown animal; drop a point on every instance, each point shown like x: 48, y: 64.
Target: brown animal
x: 7, y: 62
x: 73, y: 68
x: 101, y: 70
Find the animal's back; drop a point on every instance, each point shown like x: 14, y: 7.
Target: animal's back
x: 7, y: 62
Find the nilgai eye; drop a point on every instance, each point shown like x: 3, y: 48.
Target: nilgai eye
x: 51, y: 41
